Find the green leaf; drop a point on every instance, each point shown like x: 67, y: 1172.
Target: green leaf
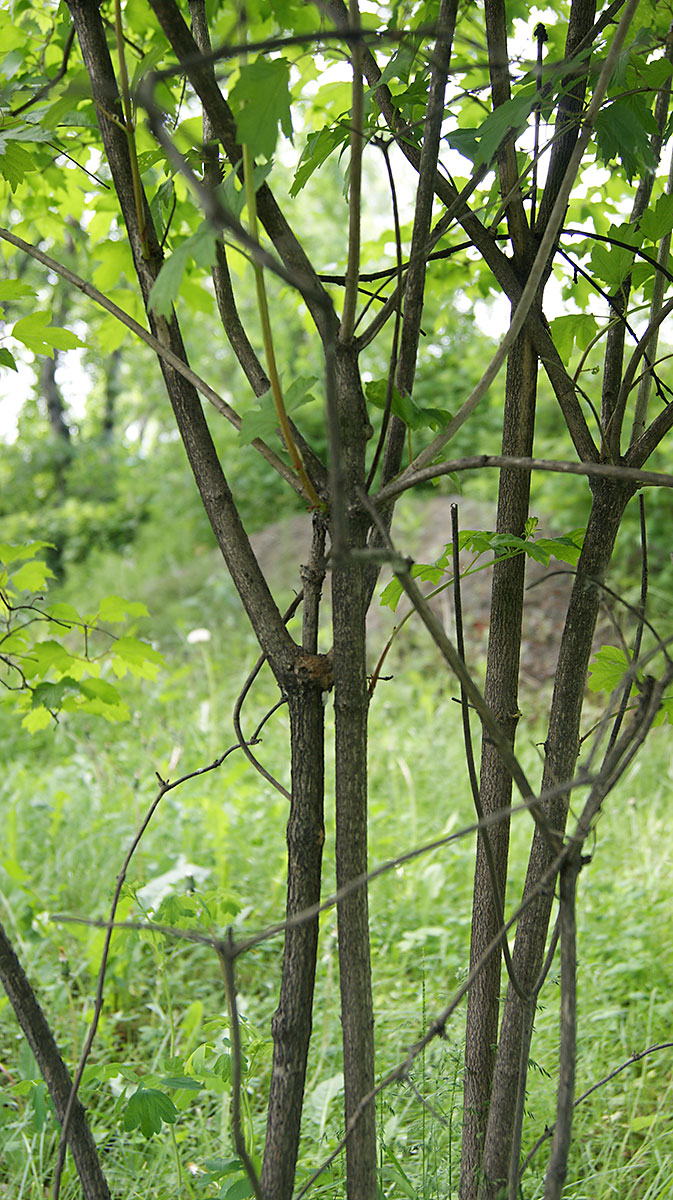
x: 15, y: 163
x: 36, y: 719
x: 426, y: 572
x: 319, y: 146
x: 52, y: 656
x: 572, y: 330
x: 398, y: 67
x: 622, y: 131
x: 240, y: 1189
x: 262, y: 421
x: 147, y: 1109
x: 232, y: 193
x: 130, y: 654
x: 15, y: 642
x: 658, y: 221
x: 566, y: 549
x: 32, y: 576
x: 114, y: 608
x: 607, y: 668
x: 7, y: 359
x: 52, y: 695
x: 612, y: 263
x: 260, y: 100
x: 638, y: 1124
x: 201, y: 248
x: 42, y: 338
x: 10, y: 553
x: 65, y: 613
x: 502, y: 545
x: 414, y: 415
x: 39, y: 1104
x: 181, y: 1083
x: 665, y: 713
x: 100, y: 689
x: 148, y: 63
x: 466, y: 142
x: 114, y: 713
x: 394, y: 1172
x: 511, y: 116
x: 13, y: 289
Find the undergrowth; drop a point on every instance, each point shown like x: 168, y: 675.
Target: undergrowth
x: 71, y: 798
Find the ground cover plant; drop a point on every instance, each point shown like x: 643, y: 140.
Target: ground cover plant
x: 143, y: 153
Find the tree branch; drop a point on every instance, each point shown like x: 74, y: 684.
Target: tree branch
x: 203, y: 81
x: 476, y: 462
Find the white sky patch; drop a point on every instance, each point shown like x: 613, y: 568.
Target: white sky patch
x: 15, y: 388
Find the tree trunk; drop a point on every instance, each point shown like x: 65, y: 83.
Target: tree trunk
x: 351, y: 704
x: 501, y: 694
x: 291, y: 1023
x: 51, y: 394
x: 54, y: 1071
x: 561, y: 751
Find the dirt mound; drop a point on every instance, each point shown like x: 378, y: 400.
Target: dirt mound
x: 422, y: 528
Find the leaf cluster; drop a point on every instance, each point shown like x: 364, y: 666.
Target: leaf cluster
x: 54, y: 660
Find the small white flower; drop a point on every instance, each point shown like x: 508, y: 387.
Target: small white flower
x: 198, y: 635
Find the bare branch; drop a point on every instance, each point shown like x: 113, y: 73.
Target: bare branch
x: 200, y: 74
x: 635, y: 1058
x: 51, y: 83
x: 354, y: 183
x: 72, y: 1117
x: 558, y: 1162
x: 401, y: 568
x: 475, y: 462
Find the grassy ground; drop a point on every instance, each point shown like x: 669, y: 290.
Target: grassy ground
x: 70, y: 801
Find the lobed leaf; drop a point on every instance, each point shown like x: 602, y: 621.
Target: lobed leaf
x: 414, y: 415
x: 42, y: 338
x: 607, y: 668
x: 262, y: 421
x: 147, y: 1109
x: 260, y: 100
x: 114, y: 609
x: 130, y: 654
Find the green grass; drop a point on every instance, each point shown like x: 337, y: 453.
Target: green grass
x: 70, y: 801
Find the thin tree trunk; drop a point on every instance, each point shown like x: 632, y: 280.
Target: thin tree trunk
x: 501, y: 694
x: 562, y: 748
x: 351, y: 704
x: 113, y: 389
x: 291, y: 1023
x: 51, y: 394
x: 54, y: 1071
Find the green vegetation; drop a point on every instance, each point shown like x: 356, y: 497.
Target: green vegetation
x: 334, y: 811
x: 72, y: 798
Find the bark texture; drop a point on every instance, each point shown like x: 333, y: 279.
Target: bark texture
x: 501, y: 693
x: 351, y: 704
x: 291, y: 1023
